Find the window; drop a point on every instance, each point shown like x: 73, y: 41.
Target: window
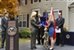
x: 24, y: 17
x: 31, y: 1
x: 20, y: 24
x: 35, y: 0
x: 55, y: 13
x: 22, y: 2
x: 46, y: 0
x: 39, y: 0
x: 25, y: 2
x: 20, y: 17
x: 24, y: 23
x: 27, y: 20
x: 19, y: 2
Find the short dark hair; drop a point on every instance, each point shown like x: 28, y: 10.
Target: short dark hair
x: 60, y: 11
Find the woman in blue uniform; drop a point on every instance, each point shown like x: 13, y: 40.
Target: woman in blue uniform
x: 51, y: 31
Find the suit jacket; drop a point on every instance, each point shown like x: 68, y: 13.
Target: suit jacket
x: 60, y: 22
x: 34, y: 25
x: 4, y: 24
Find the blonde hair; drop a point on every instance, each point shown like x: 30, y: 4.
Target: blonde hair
x: 33, y: 14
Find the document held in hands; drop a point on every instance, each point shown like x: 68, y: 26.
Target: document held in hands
x: 58, y: 30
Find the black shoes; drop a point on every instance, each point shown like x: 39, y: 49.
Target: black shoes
x: 51, y: 49
x: 61, y: 45
x: 38, y: 43
x: 1, y: 47
x: 34, y: 48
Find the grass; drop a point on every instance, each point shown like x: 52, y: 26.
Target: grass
x: 24, y: 40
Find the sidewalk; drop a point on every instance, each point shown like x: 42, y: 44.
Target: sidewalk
x: 27, y: 47
x: 39, y: 47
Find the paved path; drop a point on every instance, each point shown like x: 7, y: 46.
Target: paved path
x: 27, y: 47
x: 39, y: 47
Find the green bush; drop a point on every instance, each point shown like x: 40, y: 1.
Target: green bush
x: 65, y: 30
x: 25, y: 33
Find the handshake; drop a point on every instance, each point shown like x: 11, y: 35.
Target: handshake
x: 45, y: 28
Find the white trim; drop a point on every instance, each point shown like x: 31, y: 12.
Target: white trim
x: 37, y: 9
x: 54, y: 10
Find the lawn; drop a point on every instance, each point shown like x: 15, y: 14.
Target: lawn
x: 24, y: 40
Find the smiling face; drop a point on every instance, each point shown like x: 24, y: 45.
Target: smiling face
x: 1, y: 15
x: 60, y: 14
x: 6, y: 14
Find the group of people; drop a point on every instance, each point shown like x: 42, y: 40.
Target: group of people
x: 4, y: 17
x: 3, y: 27
x: 41, y: 23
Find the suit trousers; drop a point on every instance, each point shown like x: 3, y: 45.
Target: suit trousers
x: 33, y: 39
x: 38, y: 36
x: 3, y: 36
x: 41, y: 34
x: 60, y: 38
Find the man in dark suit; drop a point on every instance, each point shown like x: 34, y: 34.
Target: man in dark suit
x: 4, y: 28
x: 60, y: 22
x: 42, y: 26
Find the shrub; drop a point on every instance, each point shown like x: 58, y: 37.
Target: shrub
x: 25, y: 32
x: 65, y: 30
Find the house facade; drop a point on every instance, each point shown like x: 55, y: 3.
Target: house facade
x: 66, y: 6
